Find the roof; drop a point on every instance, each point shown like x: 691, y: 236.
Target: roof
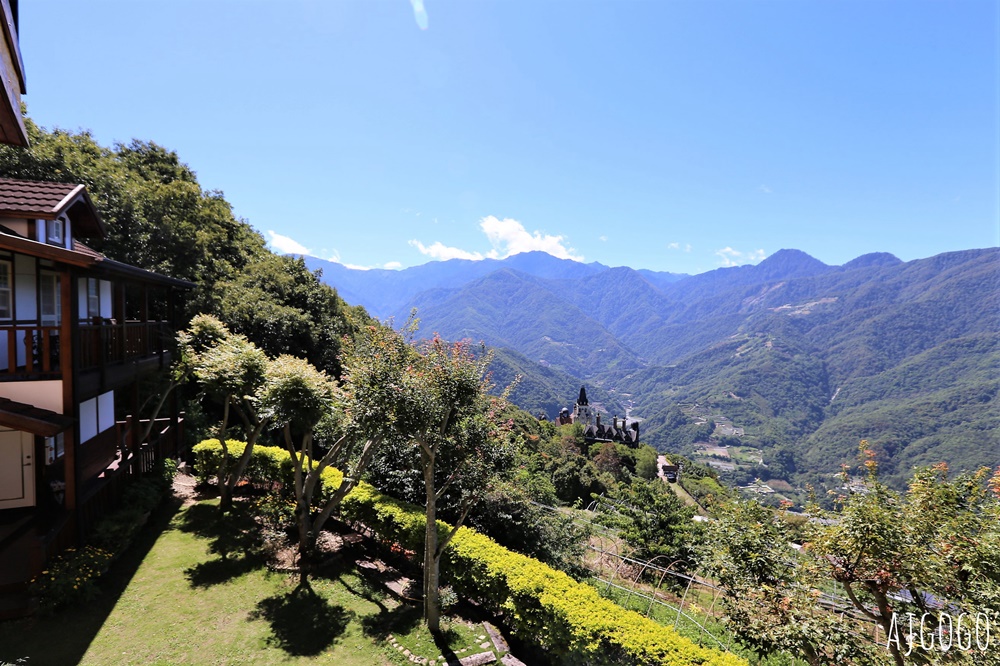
x: 85, y: 257
x: 44, y: 200
x: 37, y: 421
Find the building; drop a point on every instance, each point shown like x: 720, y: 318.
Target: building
x: 617, y: 432
x: 583, y: 413
x: 594, y: 430
x: 78, y: 334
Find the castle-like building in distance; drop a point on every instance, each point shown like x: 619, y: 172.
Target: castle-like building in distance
x: 595, y: 431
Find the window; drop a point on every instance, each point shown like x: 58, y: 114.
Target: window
x: 50, y: 299
x: 93, y: 299
x: 6, y: 298
x: 54, y: 448
x: 54, y: 232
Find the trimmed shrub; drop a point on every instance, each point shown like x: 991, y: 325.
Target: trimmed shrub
x: 567, y: 618
x: 268, y: 465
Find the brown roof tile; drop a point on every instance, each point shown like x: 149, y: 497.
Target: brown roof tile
x: 40, y: 198
x: 45, y: 201
x: 84, y: 249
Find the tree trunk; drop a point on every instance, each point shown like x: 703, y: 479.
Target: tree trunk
x: 225, y: 497
x: 432, y: 612
x: 885, y: 621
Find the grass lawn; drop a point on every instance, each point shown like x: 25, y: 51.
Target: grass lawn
x: 171, y: 600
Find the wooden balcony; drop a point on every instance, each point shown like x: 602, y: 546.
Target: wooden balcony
x: 29, y: 352
x: 32, y: 352
x: 107, y: 344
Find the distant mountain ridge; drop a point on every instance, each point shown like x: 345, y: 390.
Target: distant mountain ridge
x: 784, y: 348
x: 385, y: 292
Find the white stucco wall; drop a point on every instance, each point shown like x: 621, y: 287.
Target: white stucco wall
x: 45, y: 394
x: 25, y: 287
x: 105, y: 411
x: 88, y: 420
x: 106, y: 302
x: 97, y: 415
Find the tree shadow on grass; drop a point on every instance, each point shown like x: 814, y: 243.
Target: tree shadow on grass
x: 218, y: 571
x: 400, y: 620
x: 444, y: 640
x: 302, y: 622
x: 233, y: 534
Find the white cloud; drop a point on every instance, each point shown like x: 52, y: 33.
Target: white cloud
x: 286, y: 245
x: 392, y: 266
x: 603, y: 239
x: 765, y: 189
x: 509, y: 237
x: 673, y: 246
x: 687, y: 248
x: 731, y: 257
x: 442, y: 252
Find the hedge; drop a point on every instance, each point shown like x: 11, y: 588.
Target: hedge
x: 267, y: 465
x: 570, y: 620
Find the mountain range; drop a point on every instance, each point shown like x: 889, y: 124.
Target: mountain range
x: 808, y: 358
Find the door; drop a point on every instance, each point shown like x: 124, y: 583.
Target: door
x: 17, y: 471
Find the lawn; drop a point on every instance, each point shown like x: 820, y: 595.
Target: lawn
x: 172, y: 600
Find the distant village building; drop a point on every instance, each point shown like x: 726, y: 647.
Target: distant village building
x: 594, y: 431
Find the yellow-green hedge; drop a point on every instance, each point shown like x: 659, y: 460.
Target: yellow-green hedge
x: 268, y: 464
x: 569, y: 619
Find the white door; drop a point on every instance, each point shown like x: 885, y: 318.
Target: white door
x: 17, y: 471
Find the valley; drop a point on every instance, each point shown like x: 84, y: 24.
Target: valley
x: 791, y: 357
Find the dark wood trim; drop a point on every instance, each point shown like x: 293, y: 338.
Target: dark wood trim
x: 43, y: 251
x: 67, y: 345
x: 10, y: 34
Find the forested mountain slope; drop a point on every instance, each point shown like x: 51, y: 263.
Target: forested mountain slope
x: 807, y: 358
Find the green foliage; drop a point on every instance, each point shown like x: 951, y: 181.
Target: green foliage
x: 654, y: 521
x: 268, y: 465
x: 888, y: 553
x: 159, y: 218
x: 232, y: 367
x: 296, y: 393
x: 766, y: 594
x: 569, y: 619
x: 71, y: 578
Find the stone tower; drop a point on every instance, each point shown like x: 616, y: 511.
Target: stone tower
x: 582, y: 412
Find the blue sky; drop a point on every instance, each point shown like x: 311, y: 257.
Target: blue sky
x: 669, y: 135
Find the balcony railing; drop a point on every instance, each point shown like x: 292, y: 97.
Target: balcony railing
x: 105, y: 344
x: 33, y: 352
x: 29, y: 351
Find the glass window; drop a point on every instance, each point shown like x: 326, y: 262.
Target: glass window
x: 54, y: 448
x: 50, y: 296
x: 54, y: 234
x: 6, y: 299
x: 93, y: 299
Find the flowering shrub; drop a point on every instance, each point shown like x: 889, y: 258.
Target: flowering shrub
x: 70, y: 578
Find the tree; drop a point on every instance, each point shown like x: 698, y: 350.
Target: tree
x: 654, y: 521
x: 889, y: 552
x: 449, y: 418
x: 768, y: 597
x: 233, y: 371
x: 353, y: 421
